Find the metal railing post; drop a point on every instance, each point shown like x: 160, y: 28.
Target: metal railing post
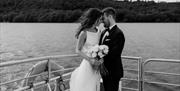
x: 142, y: 76
x: 49, y: 70
x: 49, y: 87
x: 32, y: 89
x: 49, y: 75
x: 140, y: 80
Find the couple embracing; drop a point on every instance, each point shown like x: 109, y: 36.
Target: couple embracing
x: 108, y: 66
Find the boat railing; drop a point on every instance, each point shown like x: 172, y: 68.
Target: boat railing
x: 141, y: 65
x: 155, y: 60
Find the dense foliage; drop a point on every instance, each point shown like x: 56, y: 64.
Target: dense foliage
x: 71, y: 10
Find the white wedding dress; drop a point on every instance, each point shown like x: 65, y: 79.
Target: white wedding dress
x: 84, y: 78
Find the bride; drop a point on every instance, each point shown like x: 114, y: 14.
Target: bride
x: 85, y: 78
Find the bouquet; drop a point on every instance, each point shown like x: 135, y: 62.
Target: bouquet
x: 98, y: 52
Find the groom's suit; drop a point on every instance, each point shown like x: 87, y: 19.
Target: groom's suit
x: 115, y: 41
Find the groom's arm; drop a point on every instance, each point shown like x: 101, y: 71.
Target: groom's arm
x: 117, y: 45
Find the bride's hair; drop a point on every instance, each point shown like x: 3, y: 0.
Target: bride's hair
x: 88, y: 19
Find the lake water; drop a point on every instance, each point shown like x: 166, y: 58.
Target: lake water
x: 25, y: 40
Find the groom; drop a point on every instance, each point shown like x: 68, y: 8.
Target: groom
x: 113, y: 37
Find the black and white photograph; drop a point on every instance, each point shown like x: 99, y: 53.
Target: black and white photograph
x: 89, y: 45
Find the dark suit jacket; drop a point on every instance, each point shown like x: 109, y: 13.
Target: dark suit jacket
x: 115, y: 41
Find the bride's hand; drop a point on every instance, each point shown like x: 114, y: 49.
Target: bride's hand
x: 101, y: 60
x: 97, y: 63
x: 92, y: 61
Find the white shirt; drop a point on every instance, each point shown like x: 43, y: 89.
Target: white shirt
x: 112, y: 26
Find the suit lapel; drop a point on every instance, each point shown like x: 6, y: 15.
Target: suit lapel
x: 100, y: 42
x: 110, y: 34
x: 112, y: 30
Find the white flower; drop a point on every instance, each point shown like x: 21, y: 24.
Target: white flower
x: 94, y: 54
x: 106, y: 47
x: 98, y: 51
x: 89, y: 55
x: 106, y: 51
x: 95, y: 48
x: 101, y: 47
x: 100, y: 54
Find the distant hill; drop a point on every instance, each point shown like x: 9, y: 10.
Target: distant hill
x: 70, y: 10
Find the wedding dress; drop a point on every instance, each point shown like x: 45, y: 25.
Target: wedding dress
x: 84, y: 78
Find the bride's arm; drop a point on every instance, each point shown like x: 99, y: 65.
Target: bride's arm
x: 80, y: 43
x: 100, y: 30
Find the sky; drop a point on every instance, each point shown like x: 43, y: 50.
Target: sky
x: 160, y: 0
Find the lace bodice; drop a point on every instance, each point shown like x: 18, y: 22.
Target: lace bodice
x: 91, y: 40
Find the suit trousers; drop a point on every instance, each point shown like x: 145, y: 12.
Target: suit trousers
x: 110, y: 84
